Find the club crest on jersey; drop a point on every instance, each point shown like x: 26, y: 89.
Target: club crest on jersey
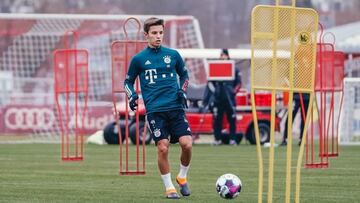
x: 157, y: 132
x: 167, y: 59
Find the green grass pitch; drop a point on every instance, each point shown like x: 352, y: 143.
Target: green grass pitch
x: 35, y: 173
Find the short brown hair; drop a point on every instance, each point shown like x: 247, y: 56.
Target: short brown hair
x: 151, y: 22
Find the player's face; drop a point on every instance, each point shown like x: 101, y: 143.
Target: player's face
x: 155, y: 35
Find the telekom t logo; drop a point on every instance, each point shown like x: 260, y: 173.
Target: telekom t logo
x: 150, y: 74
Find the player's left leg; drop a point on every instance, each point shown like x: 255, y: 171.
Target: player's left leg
x: 185, y: 158
x: 180, y: 132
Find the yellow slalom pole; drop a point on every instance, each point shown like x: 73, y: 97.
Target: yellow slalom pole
x: 272, y: 147
x: 270, y: 66
x: 274, y: 66
x: 303, y: 140
x: 289, y: 147
x: 256, y: 125
x: 290, y: 108
x: 258, y: 147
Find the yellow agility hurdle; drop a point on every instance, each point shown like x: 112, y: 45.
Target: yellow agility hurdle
x: 283, y: 58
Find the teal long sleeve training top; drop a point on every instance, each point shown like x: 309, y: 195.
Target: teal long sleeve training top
x: 162, y: 74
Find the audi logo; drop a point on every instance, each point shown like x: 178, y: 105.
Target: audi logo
x: 29, y: 118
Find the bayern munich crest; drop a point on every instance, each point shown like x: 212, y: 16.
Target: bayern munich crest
x: 167, y: 59
x: 157, y: 132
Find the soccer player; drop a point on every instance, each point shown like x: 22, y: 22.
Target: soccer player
x: 165, y: 99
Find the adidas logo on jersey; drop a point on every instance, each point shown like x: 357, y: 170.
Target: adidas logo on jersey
x: 147, y: 62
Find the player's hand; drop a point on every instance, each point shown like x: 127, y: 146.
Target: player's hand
x: 183, y: 99
x: 133, y: 102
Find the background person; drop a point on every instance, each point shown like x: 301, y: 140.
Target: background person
x: 220, y: 96
x: 297, y: 108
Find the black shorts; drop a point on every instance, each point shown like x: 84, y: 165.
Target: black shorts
x: 169, y: 125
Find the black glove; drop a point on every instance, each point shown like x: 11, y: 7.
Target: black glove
x: 133, y: 102
x: 183, y: 99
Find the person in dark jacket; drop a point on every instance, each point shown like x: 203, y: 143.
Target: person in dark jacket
x: 296, y: 108
x: 220, y: 97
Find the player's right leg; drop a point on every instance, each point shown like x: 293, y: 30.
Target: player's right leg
x: 164, y: 167
x: 156, y: 122
x: 180, y: 132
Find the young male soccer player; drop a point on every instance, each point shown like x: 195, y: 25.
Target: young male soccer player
x: 165, y: 99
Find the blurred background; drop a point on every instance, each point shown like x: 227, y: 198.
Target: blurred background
x: 223, y: 23
x: 27, y: 43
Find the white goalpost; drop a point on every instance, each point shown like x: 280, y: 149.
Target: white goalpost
x: 27, y: 43
x: 350, y: 117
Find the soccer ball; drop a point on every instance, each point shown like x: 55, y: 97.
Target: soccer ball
x: 228, y: 186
